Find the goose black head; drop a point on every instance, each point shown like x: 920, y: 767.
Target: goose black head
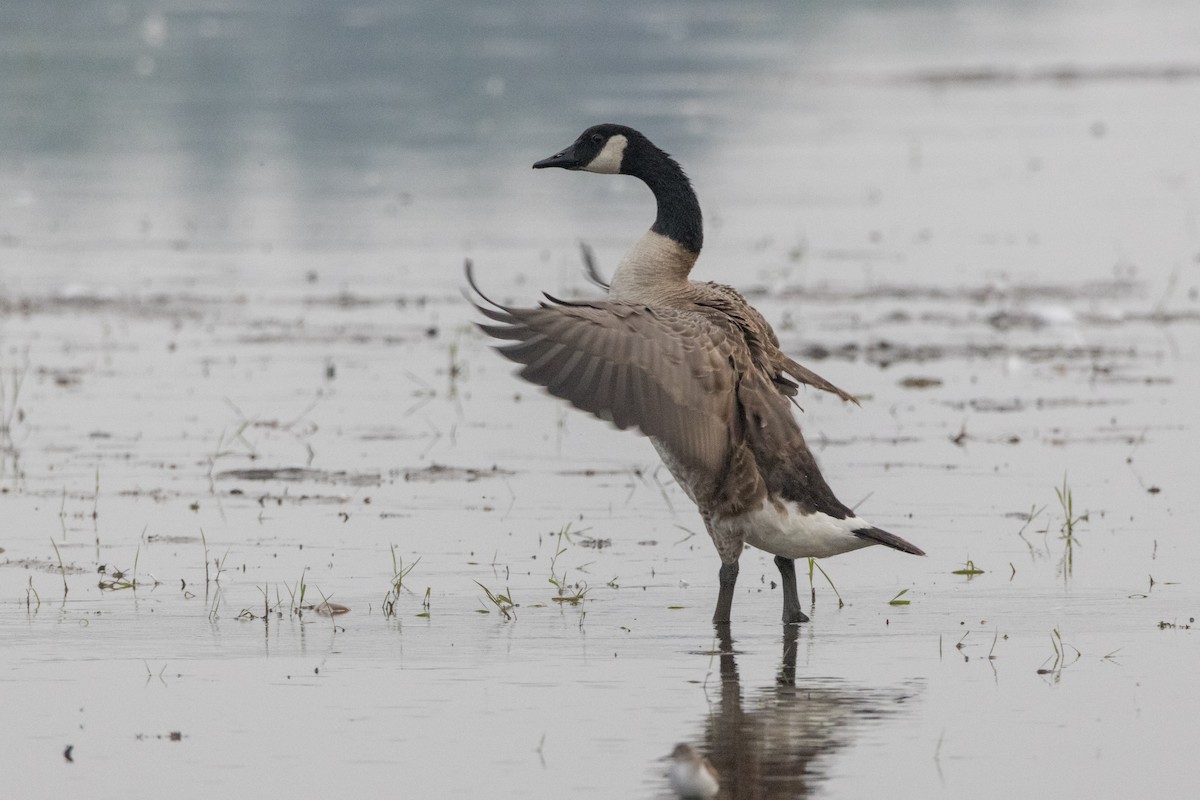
x: 617, y: 149
x: 601, y: 148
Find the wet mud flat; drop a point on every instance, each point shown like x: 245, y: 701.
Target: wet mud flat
x: 277, y: 522
x: 412, y: 555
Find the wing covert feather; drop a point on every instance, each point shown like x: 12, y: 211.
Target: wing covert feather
x: 666, y: 372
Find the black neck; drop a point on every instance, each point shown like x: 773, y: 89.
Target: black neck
x: 678, y: 209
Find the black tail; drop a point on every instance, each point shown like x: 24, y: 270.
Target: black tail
x: 893, y: 541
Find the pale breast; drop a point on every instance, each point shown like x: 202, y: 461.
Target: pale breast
x: 654, y: 272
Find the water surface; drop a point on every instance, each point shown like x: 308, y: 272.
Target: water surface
x: 235, y: 360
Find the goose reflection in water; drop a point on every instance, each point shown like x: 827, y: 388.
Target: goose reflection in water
x: 777, y: 744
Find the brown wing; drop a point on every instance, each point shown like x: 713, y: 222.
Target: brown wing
x: 765, y: 344
x: 666, y: 372
x: 788, y: 468
x: 784, y: 463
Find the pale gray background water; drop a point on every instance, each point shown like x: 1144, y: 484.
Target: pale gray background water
x: 242, y: 217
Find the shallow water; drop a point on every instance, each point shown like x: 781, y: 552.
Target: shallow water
x: 235, y: 359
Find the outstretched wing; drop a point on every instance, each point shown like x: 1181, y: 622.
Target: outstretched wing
x: 672, y: 374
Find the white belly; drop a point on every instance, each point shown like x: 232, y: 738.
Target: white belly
x: 794, y: 534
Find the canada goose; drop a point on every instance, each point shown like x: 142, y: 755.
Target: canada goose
x: 698, y: 370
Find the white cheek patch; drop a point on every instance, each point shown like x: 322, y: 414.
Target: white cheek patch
x: 608, y: 160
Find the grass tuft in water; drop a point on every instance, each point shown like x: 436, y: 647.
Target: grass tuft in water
x: 32, y: 591
x: 61, y: 569
x: 425, y: 603
x: 502, y: 602
x: 399, y: 573
x: 204, y: 543
x: 1059, y: 661
x: 296, y: 595
x: 267, y: 609
x: 969, y: 569
x: 116, y: 579
x: 216, y: 605
x: 1066, y: 501
x: 1033, y: 514
x: 572, y: 594
x: 813, y: 565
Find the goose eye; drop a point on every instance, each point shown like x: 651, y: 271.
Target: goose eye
x: 597, y: 138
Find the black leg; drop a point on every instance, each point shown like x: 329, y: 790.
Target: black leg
x: 791, y: 601
x: 727, y: 578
